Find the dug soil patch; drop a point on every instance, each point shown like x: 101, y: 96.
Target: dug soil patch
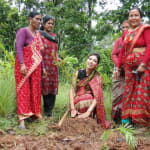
x: 74, y: 134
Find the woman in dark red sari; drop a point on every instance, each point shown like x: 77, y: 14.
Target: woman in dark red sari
x: 28, y: 70
x: 135, y: 57
x: 87, y: 87
x: 118, y: 85
x: 50, y: 59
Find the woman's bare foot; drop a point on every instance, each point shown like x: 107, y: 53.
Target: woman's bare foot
x: 22, y: 125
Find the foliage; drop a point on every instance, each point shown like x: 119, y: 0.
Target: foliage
x: 67, y: 67
x: 7, y: 83
x: 127, y: 131
x: 108, y: 102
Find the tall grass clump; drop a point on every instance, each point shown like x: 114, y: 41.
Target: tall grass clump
x: 108, y: 102
x: 62, y: 101
x: 7, y: 82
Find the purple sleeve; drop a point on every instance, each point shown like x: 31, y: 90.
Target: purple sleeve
x: 20, y: 42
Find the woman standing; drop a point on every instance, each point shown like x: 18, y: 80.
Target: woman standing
x: 87, y: 87
x: 28, y: 70
x: 50, y: 59
x: 118, y: 85
x: 135, y: 57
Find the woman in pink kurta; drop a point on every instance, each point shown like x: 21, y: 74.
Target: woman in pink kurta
x: 50, y: 58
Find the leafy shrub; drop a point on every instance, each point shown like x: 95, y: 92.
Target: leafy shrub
x: 7, y: 83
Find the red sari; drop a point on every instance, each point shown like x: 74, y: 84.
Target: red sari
x: 136, y: 99
x: 86, y: 92
x: 28, y: 88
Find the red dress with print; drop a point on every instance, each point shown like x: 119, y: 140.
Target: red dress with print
x: 136, y: 98
x: 50, y: 83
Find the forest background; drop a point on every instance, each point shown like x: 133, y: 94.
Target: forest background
x: 77, y: 37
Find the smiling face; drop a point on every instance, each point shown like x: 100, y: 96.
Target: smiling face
x: 134, y: 18
x: 48, y: 25
x: 92, y: 62
x: 35, y: 21
x: 125, y: 26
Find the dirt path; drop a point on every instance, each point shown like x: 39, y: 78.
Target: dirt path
x: 75, y: 134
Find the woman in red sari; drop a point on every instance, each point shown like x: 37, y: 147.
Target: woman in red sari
x: 50, y: 58
x: 135, y: 57
x: 28, y: 70
x: 118, y: 85
x: 87, y: 87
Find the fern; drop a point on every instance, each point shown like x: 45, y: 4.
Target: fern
x: 127, y: 131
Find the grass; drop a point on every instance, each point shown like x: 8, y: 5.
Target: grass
x: 108, y: 103
x: 7, y: 93
x: 62, y: 101
x: 8, y: 117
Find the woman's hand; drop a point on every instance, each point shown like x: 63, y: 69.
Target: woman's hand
x: 59, y: 59
x: 84, y: 115
x: 141, y: 68
x: 23, y: 69
x: 74, y: 112
x: 116, y: 73
x: 44, y: 73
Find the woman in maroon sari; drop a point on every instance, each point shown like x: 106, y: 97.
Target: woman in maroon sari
x: 87, y: 87
x: 28, y: 70
x: 135, y: 57
x: 50, y: 59
x: 118, y: 85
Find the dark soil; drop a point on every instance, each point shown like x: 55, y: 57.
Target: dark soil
x: 74, y: 134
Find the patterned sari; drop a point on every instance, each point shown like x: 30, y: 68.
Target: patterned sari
x: 28, y: 87
x: 50, y: 83
x: 87, y: 91
x: 136, y: 99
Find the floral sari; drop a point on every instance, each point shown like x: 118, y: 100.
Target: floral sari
x: 28, y: 87
x: 87, y: 91
x: 136, y: 99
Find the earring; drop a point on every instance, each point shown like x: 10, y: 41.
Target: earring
x: 30, y: 22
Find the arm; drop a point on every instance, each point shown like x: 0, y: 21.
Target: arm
x: 146, y: 59
x: 89, y: 111
x: 71, y: 96
x: 115, y: 51
x: 20, y: 42
x: 147, y: 41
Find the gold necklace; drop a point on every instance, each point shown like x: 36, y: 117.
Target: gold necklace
x: 32, y: 32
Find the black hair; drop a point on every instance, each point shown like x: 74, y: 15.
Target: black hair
x: 45, y: 19
x: 138, y: 9
x: 97, y: 55
x: 33, y: 14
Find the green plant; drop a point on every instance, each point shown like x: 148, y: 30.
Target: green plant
x: 127, y: 131
x: 62, y: 101
x: 7, y: 93
x: 7, y: 83
x: 108, y: 103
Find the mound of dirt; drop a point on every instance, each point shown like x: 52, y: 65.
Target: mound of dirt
x: 74, y: 134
